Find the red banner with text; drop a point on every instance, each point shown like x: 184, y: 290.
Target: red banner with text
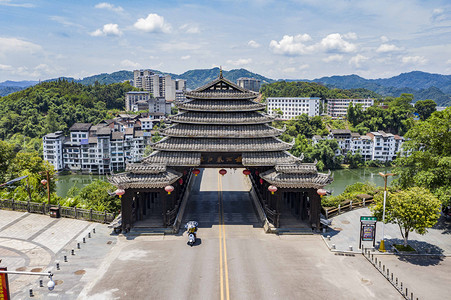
x: 4, y: 288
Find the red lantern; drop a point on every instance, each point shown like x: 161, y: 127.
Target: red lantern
x: 120, y: 192
x: 222, y: 172
x: 261, y: 181
x: 272, y: 189
x: 181, y: 181
x: 321, y: 192
x: 196, y: 172
x: 257, y: 172
x: 44, y: 182
x: 246, y: 172
x: 169, y: 189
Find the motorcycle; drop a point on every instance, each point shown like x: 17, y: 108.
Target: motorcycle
x: 191, y: 228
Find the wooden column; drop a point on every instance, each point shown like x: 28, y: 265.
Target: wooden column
x: 126, y: 209
x: 315, y: 207
x: 164, y: 199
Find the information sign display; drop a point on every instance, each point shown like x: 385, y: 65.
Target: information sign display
x: 4, y: 288
x: 367, y: 229
x: 368, y: 233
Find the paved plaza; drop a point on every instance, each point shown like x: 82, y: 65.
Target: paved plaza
x: 233, y: 257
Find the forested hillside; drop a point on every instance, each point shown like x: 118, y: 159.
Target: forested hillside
x: 312, y: 89
x: 51, y: 106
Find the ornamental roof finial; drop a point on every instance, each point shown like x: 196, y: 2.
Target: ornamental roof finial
x: 220, y: 72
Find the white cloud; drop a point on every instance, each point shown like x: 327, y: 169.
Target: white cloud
x: 65, y: 22
x: 10, y: 3
x: 153, y: 23
x: 303, y: 67
x: 109, y: 6
x: 5, y: 67
x: 292, y: 45
x: 420, y: 60
x: 384, y: 39
x: 335, y: 42
x: 240, y: 62
x: 126, y: 63
x: 387, y: 48
x: 448, y: 62
x: 185, y: 57
x: 438, y: 14
x: 350, y: 36
x: 357, y: 60
x: 14, y: 45
x: 289, y: 70
x: 190, y: 28
x: 108, y: 29
x: 335, y: 57
x: 253, y: 44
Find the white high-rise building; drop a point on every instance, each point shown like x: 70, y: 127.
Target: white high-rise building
x: 293, y: 106
x: 337, y: 108
x: 252, y: 84
x: 53, y: 149
x: 157, y: 85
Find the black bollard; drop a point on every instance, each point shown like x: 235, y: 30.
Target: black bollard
x: 65, y: 258
x: 78, y: 245
x: 40, y: 283
x: 73, y: 252
x: 84, y: 240
x: 89, y: 235
x: 57, y: 266
x: 31, y: 293
x: 93, y: 230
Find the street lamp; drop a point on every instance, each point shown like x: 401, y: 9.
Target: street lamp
x: 385, y: 176
x: 50, y: 284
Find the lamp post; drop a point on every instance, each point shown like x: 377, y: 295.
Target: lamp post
x: 47, y: 182
x: 385, y: 176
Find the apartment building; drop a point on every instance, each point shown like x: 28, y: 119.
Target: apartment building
x: 101, y: 148
x: 53, y: 149
x: 252, y: 84
x: 337, y: 108
x: 158, y: 85
x: 293, y: 106
x: 372, y: 146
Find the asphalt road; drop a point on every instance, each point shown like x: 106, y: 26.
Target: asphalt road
x: 233, y: 258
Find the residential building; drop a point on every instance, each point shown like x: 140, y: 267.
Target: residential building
x: 372, y: 146
x: 337, y: 108
x: 251, y: 84
x: 158, y: 85
x: 293, y: 106
x: 132, y: 99
x: 101, y: 148
x: 53, y: 149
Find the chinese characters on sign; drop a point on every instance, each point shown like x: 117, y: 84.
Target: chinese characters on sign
x: 367, y: 229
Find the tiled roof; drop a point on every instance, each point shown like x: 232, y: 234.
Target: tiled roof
x: 297, y: 168
x: 117, y: 135
x: 223, y: 83
x: 173, y: 158
x: 221, y: 105
x: 267, y: 158
x: 221, y: 145
x: 221, y: 131
x: 130, y: 180
x: 221, y: 95
x: 145, y: 168
x: 340, y: 131
x: 284, y: 180
x: 80, y: 127
x: 222, y: 118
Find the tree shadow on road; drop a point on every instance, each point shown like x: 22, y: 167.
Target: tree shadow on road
x: 443, y: 224
x: 433, y: 254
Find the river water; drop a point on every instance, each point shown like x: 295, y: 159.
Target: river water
x: 342, y: 178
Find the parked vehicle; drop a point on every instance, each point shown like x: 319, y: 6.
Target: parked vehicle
x: 191, y: 228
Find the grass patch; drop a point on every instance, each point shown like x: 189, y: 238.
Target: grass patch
x: 404, y: 248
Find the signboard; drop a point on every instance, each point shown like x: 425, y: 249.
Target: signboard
x: 367, y: 229
x: 4, y: 287
x: 368, y: 233
x: 218, y: 159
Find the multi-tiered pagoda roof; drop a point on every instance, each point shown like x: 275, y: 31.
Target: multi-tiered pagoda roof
x: 221, y: 124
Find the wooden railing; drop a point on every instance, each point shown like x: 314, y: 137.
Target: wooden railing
x: 330, y: 212
x: 68, y: 212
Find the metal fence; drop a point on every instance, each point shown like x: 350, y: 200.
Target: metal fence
x: 68, y: 212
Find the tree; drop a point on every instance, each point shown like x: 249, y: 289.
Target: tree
x: 354, y: 160
x: 415, y: 209
x: 425, y: 108
x: 429, y: 162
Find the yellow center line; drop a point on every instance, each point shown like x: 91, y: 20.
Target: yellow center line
x: 222, y: 245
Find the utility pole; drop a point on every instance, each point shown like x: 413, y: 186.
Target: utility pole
x: 48, y: 184
x: 385, y: 176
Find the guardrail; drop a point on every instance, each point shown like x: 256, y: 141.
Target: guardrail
x: 68, y: 212
x: 394, y: 281
x: 347, y: 207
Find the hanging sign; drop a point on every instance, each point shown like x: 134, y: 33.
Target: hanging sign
x: 4, y: 287
x: 367, y: 229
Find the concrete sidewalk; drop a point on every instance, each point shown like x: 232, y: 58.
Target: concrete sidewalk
x: 345, y: 232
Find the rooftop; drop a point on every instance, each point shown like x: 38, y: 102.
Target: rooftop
x: 80, y: 127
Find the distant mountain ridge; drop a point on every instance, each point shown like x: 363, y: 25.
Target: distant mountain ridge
x: 421, y: 84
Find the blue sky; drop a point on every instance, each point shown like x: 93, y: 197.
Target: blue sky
x: 278, y: 39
